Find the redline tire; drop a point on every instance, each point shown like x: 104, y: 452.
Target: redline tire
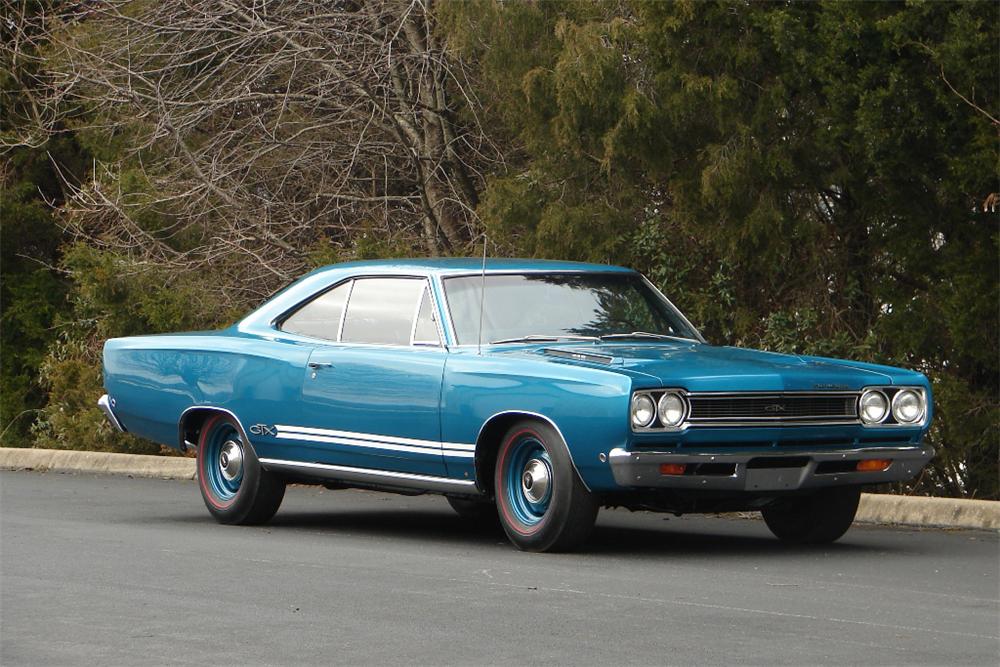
x: 234, y: 493
x: 541, y: 501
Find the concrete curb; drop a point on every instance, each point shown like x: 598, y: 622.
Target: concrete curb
x: 875, y: 507
x: 60, y: 460
x: 924, y: 511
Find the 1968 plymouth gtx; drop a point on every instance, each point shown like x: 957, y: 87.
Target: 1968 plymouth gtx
x: 531, y: 391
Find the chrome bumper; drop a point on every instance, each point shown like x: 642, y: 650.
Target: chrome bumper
x: 106, y: 404
x: 765, y: 471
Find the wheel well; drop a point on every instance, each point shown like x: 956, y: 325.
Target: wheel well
x: 488, y: 444
x: 191, y: 421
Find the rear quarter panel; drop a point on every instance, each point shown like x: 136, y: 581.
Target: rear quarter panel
x: 153, y: 379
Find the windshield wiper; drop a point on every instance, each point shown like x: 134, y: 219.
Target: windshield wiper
x: 644, y: 334
x: 535, y: 338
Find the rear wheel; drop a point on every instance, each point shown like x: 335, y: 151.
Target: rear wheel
x: 541, y: 501
x: 234, y: 486
x: 819, y: 518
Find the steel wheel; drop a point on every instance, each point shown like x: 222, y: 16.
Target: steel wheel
x: 233, y: 485
x: 528, y: 485
x: 542, y: 503
x: 223, y: 464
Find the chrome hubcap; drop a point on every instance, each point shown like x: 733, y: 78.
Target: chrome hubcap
x: 535, y: 480
x: 231, y: 460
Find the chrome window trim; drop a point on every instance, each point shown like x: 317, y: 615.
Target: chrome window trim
x: 444, y: 314
x: 700, y: 339
x: 356, y: 279
x: 276, y: 322
x: 343, y: 313
x: 451, y: 320
x: 427, y: 291
x: 279, y: 320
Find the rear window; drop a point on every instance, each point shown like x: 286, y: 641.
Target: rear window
x: 320, y: 318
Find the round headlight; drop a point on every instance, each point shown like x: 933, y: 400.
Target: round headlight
x: 874, y: 407
x: 671, y: 409
x: 643, y: 410
x: 907, y: 406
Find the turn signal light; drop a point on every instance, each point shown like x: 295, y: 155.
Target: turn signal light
x: 672, y: 468
x: 874, y: 465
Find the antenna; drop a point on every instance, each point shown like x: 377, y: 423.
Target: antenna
x: 482, y: 299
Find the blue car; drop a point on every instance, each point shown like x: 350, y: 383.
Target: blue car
x: 533, y: 392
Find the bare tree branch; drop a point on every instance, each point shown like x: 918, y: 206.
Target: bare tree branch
x: 246, y: 135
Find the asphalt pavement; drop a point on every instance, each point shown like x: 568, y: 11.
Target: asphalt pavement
x: 113, y: 570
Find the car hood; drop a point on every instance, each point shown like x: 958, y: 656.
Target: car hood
x: 698, y: 367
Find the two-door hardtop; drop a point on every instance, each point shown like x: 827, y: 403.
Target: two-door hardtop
x: 535, y: 391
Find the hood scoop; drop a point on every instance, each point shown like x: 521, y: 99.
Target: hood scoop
x: 578, y: 355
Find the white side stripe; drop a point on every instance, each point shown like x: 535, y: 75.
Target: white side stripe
x: 375, y: 437
x: 373, y: 441
x: 376, y: 445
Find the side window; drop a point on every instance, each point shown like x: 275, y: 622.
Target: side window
x: 425, y: 331
x: 320, y: 318
x: 381, y: 311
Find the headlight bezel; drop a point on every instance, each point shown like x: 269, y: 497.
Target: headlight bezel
x: 890, y: 419
x: 658, y: 424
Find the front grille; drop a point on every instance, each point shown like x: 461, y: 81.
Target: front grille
x: 780, y: 408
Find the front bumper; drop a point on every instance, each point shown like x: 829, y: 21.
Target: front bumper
x: 765, y: 471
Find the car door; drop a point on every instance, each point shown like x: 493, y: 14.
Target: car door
x: 371, y: 399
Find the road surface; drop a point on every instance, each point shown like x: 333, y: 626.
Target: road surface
x: 112, y: 570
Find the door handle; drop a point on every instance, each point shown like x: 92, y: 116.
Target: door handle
x: 315, y: 365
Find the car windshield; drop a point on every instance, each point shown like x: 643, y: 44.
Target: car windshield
x: 583, y: 306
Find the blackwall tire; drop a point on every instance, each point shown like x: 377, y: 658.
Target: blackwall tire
x: 819, y: 518
x: 541, y: 501
x: 234, y: 486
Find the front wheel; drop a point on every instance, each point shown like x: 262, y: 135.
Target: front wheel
x: 819, y: 518
x: 542, y: 503
x: 234, y: 486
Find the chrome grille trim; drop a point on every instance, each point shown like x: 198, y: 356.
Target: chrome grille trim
x: 749, y: 408
x: 795, y: 408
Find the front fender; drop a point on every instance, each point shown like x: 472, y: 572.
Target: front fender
x: 589, y: 406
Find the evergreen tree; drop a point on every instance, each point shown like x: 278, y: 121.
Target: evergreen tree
x: 805, y: 177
